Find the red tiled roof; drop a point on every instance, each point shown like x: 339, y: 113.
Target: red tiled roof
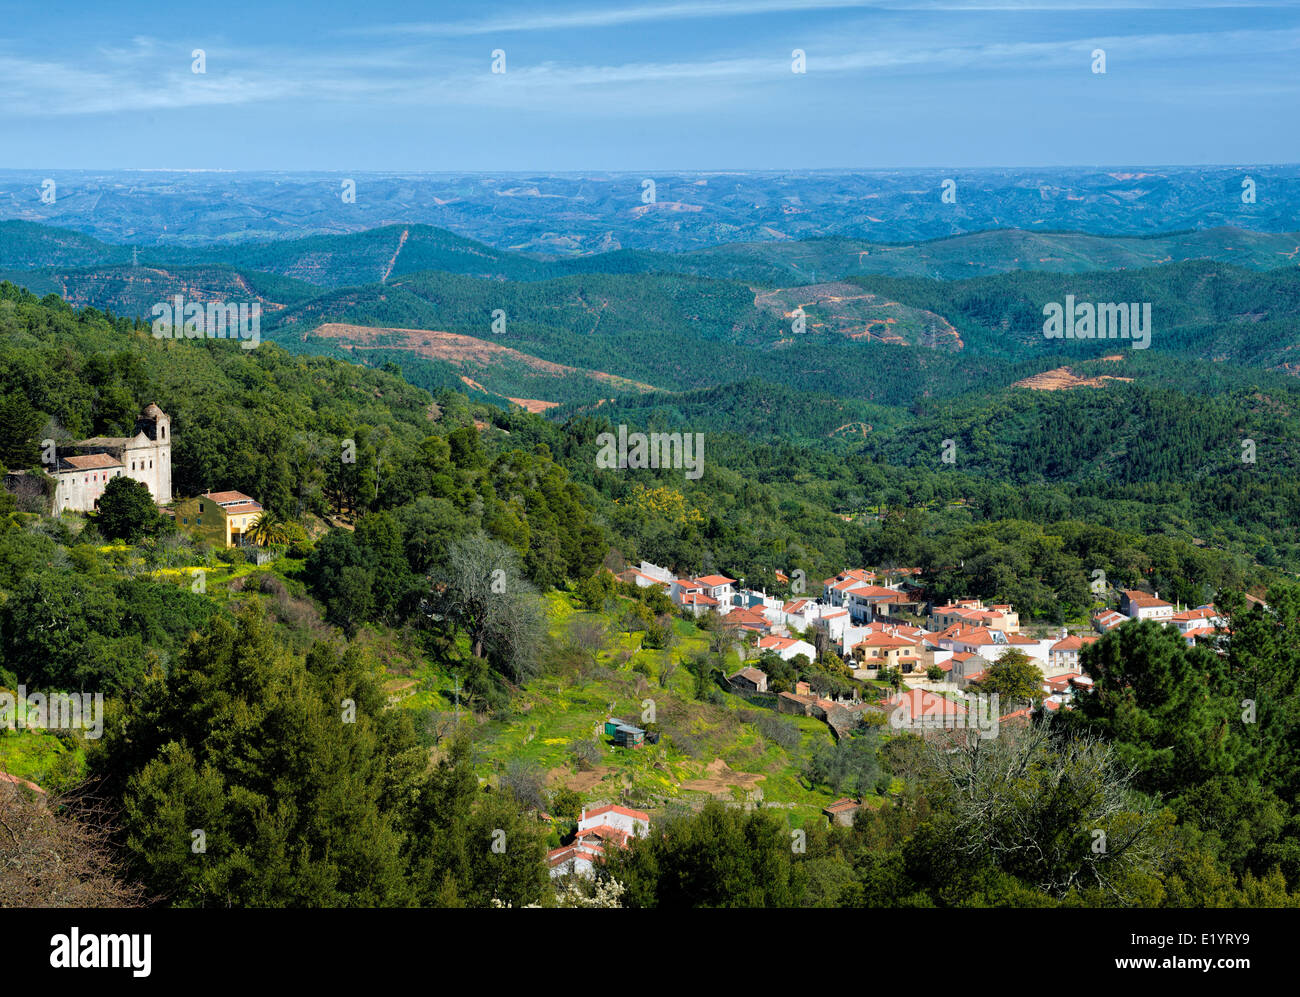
x: 1059, y: 682
x: 222, y: 498
x: 1075, y: 642
x: 698, y: 599
x: 877, y: 592
x: 884, y: 640
x: 604, y: 832
x: 566, y: 853
x: 93, y: 462
x: 614, y: 808
x: 1144, y: 599
x: 921, y: 703
x: 714, y: 580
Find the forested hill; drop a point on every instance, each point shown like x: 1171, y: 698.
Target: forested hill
x: 380, y: 254
x: 272, y: 425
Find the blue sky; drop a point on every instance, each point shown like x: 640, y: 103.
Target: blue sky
x: 647, y: 85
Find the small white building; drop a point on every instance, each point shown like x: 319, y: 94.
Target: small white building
x: 605, y: 827
x: 1064, y: 654
x: 787, y: 648
x: 1142, y: 606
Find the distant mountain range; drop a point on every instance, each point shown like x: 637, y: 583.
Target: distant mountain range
x: 576, y: 215
x: 881, y: 324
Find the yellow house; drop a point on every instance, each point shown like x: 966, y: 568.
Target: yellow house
x: 882, y: 650
x: 220, y: 518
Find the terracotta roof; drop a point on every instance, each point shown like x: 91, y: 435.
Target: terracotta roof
x: 979, y: 635
x: 604, y: 832
x: 222, y: 498
x: 853, y: 574
x: 841, y: 806
x: 1144, y: 599
x: 713, y: 580
x: 698, y: 599
x: 925, y: 704
x: 885, y: 640
x: 877, y: 592
x: 92, y: 462
x: 558, y: 856
x: 614, y: 808
x: 1059, y: 682
x: 1074, y: 642
x: 1110, y: 619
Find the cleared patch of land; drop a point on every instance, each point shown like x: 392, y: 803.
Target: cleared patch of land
x: 845, y: 309
x: 1063, y: 379
x: 478, y: 359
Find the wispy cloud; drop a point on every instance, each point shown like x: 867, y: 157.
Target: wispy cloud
x: 147, y: 74
x: 613, y: 16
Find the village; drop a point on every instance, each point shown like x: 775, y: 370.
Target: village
x: 878, y: 623
x: 924, y: 659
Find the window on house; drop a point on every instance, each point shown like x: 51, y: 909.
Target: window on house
x: 151, y: 465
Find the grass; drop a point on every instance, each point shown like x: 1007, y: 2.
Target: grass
x: 554, y: 711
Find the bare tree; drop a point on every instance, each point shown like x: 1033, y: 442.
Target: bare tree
x: 589, y: 634
x: 55, y: 852
x: 483, y: 595
x: 526, y: 781
x: 1053, y: 809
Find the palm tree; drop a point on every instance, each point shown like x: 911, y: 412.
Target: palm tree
x: 268, y: 529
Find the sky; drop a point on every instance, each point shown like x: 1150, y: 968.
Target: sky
x: 613, y: 85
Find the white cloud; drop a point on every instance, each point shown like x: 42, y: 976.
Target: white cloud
x: 149, y: 75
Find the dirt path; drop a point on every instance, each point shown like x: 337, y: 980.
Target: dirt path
x: 396, y: 252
